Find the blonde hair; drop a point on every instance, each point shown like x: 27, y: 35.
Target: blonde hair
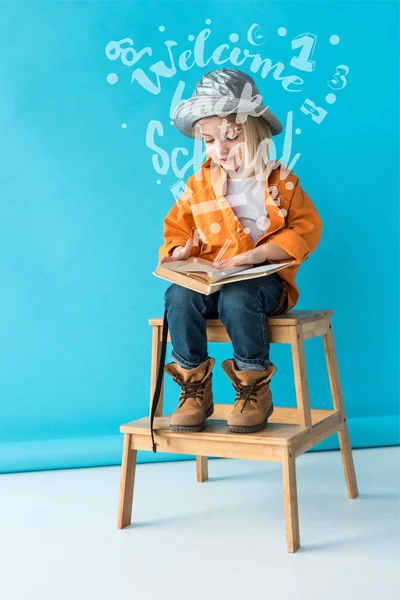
x: 255, y: 150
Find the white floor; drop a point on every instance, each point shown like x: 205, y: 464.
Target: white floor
x: 224, y: 538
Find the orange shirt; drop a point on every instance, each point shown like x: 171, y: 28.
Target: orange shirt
x: 203, y: 214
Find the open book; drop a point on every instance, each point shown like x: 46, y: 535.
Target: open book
x: 201, y: 276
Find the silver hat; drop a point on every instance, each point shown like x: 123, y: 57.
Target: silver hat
x: 222, y: 92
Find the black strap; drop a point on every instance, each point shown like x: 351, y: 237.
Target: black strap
x: 160, y: 373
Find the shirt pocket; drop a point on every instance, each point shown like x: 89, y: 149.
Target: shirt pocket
x: 207, y: 216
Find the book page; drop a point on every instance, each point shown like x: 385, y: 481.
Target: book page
x: 252, y: 273
x: 259, y: 269
x: 203, y: 266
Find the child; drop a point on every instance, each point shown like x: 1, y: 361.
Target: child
x: 244, y: 210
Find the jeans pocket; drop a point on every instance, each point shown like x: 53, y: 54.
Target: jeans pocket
x: 283, y: 300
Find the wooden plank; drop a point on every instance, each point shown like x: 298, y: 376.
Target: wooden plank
x: 202, y: 468
x: 281, y: 414
x: 338, y: 403
x: 275, y: 434
x: 300, y: 376
x: 315, y: 328
x: 293, y: 317
x: 290, y: 500
x: 127, y: 483
x: 208, y: 447
x: 277, y: 335
x: 320, y: 431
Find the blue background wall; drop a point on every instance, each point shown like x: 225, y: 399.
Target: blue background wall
x: 82, y: 212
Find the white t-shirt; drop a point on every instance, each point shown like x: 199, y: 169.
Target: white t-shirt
x: 247, y: 200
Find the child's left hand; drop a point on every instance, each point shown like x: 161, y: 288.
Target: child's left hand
x: 248, y: 258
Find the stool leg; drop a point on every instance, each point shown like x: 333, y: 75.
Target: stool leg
x: 128, y: 469
x: 202, y: 468
x: 338, y: 404
x: 290, y: 499
x: 300, y: 376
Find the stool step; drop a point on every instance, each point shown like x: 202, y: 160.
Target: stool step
x: 274, y: 433
x: 292, y: 317
x: 216, y: 440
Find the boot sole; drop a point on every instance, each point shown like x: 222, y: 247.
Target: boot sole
x: 194, y: 428
x: 251, y: 428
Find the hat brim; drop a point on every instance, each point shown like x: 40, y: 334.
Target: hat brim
x: 189, y: 111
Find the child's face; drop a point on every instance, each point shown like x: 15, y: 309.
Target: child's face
x: 222, y: 137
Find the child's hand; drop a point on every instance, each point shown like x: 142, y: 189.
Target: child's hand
x: 245, y: 259
x: 179, y: 253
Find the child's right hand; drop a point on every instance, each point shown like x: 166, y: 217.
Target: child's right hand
x: 179, y: 253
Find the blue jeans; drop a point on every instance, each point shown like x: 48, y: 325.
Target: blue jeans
x: 242, y: 306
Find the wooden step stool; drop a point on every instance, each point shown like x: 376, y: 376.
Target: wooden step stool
x: 290, y: 431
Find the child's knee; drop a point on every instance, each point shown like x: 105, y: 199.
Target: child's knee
x: 178, y: 295
x: 233, y: 295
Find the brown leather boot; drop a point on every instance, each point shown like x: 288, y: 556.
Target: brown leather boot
x: 196, y: 398
x: 253, y: 403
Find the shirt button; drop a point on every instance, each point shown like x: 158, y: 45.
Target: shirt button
x: 239, y: 230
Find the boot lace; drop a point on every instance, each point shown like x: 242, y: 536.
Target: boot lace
x: 192, y: 389
x: 247, y: 392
